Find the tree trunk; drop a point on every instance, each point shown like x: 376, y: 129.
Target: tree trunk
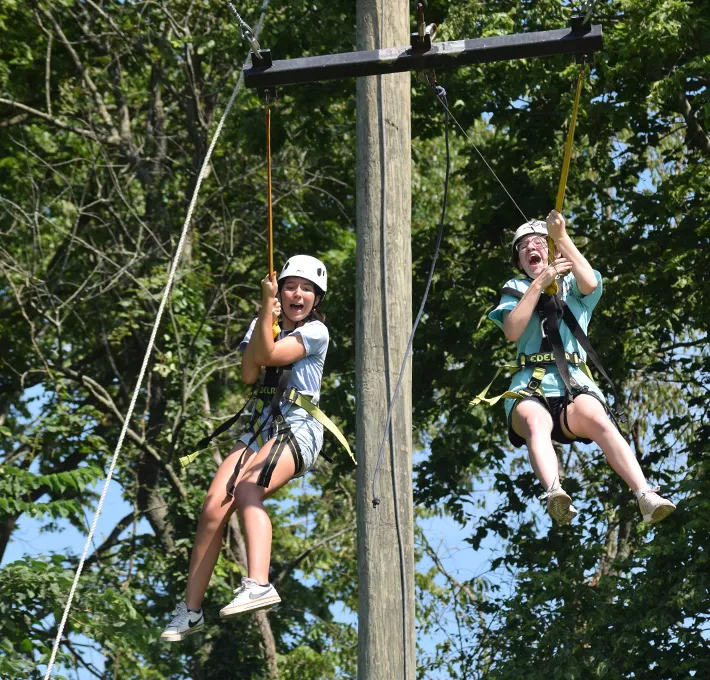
x: 386, y: 644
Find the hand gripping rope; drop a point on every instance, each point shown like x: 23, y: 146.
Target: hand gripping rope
x: 149, y: 349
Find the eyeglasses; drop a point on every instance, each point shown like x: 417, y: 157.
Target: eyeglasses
x: 531, y: 241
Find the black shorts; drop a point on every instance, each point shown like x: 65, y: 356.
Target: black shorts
x: 557, y: 407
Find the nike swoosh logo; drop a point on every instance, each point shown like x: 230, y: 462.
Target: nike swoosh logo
x: 190, y: 624
x: 256, y: 597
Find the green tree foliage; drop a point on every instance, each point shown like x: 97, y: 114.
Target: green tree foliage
x: 605, y: 598
x: 106, y: 112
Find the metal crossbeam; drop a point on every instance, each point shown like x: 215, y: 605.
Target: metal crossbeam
x: 441, y: 56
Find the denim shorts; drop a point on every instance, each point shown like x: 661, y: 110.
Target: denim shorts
x: 305, y: 428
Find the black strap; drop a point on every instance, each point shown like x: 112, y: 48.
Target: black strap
x: 284, y: 438
x: 274, y: 407
x: 542, y: 358
x: 569, y: 318
x: 550, y: 305
x: 204, y: 443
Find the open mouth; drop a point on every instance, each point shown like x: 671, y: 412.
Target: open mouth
x: 534, y: 259
x: 297, y: 307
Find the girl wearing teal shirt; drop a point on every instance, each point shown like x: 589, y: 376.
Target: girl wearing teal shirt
x: 560, y: 416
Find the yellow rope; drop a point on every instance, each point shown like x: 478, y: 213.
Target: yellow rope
x: 553, y: 288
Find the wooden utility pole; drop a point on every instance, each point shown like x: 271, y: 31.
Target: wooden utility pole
x: 386, y: 639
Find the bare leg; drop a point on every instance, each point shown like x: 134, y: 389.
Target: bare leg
x: 217, y: 508
x: 249, y: 498
x: 587, y: 418
x: 532, y: 421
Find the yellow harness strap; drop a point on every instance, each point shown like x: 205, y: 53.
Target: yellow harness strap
x: 481, y: 397
x: 538, y: 374
x: 186, y: 460
x: 326, y: 422
x: 553, y: 287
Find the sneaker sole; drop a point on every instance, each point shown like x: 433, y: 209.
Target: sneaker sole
x: 559, y: 510
x: 659, y: 514
x: 243, y: 609
x: 178, y: 637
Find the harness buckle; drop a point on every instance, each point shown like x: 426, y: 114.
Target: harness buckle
x: 291, y: 394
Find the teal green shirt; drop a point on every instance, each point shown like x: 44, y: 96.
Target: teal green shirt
x: 529, y: 342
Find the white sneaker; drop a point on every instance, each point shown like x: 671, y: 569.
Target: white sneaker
x: 653, y: 507
x: 185, y: 622
x: 250, y: 596
x: 559, y: 505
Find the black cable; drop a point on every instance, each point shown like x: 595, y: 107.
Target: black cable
x: 440, y: 93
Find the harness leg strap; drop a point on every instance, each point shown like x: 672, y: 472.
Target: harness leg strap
x: 284, y: 439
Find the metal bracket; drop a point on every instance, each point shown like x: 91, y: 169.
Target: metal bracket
x: 264, y: 60
x: 581, y: 26
x: 420, y: 43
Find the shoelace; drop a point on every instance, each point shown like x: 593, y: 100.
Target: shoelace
x: 653, y: 489
x: 554, y: 487
x: 180, y: 612
x: 246, y: 583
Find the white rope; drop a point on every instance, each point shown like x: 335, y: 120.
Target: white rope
x: 163, y: 302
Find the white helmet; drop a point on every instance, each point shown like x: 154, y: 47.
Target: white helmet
x: 306, y: 267
x: 532, y: 227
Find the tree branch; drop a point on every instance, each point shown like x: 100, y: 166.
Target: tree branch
x: 696, y: 135
x: 50, y: 119
x: 103, y: 111
x: 104, y: 398
x: 284, y: 571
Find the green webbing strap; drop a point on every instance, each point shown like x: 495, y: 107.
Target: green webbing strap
x: 586, y: 370
x: 205, y: 441
x: 533, y: 386
x: 481, y: 397
x: 535, y: 383
x: 326, y: 422
x: 186, y: 460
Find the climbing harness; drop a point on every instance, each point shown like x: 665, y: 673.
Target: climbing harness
x: 270, y: 392
x: 552, y: 310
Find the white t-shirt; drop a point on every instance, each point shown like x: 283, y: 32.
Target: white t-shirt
x: 307, y: 373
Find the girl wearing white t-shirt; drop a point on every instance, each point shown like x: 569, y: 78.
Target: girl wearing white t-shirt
x: 239, y: 482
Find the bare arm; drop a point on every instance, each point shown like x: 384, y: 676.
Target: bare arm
x: 262, y: 350
x: 516, y: 321
x: 250, y: 368
x: 582, y: 270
